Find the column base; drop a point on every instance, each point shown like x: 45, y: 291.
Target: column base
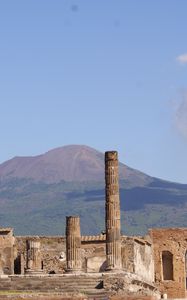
x: 73, y: 271
x: 113, y: 269
x: 33, y: 272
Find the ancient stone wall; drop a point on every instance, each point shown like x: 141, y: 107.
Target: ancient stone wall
x: 127, y: 254
x: 143, y: 259
x: 137, y: 257
x: 94, y: 253
x: 6, y: 251
x: 98, y: 286
x: 170, y: 246
x: 53, y: 253
x: 53, y: 249
x: 136, y: 254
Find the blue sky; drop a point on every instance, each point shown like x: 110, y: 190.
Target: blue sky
x: 108, y: 74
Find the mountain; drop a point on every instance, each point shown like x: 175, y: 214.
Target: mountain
x: 69, y: 163
x: 37, y: 193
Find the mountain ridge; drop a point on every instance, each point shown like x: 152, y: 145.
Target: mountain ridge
x: 36, y: 197
x: 69, y: 163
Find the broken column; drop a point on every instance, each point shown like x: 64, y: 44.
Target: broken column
x: 34, y: 262
x: 112, y: 210
x: 1, y: 269
x: 73, y: 244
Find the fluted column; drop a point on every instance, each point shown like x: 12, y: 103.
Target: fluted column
x: 33, y: 257
x: 112, y: 209
x: 73, y: 244
x: 1, y: 269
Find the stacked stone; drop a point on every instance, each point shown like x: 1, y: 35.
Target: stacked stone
x: 1, y: 268
x: 33, y: 257
x: 112, y: 210
x: 73, y: 244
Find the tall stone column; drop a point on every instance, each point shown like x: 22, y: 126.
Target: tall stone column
x: 34, y: 262
x: 73, y: 244
x: 112, y: 210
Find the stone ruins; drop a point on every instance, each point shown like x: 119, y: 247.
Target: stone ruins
x: 107, y: 264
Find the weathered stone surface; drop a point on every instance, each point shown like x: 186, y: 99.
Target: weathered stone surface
x: 129, y: 284
x: 113, y: 235
x: 73, y: 244
x: 52, y: 249
x: 133, y: 298
x: 53, y: 254
x: 92, y: 249
x: 143, y: 260
x: 88, y: 238
x: 96, y: 264
x: 87, y: 284
x: 170, y: 246
x: 43, y: 297
x: 137, y: 257
x: 62, y: 284
x: 68, y: 297
x: 34, y: 263
x: 6, y: 251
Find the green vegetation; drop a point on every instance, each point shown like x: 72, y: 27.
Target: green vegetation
x: 39, y: 208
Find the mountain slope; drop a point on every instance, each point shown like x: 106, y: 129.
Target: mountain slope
x: 69, y: 163
x: 37, y: 193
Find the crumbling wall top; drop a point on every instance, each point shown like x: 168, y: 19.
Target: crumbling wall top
x: 6, y: 231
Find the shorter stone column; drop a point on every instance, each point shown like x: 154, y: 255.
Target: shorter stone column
x: 22, y: 262
x: 34, y: 262
x: 1, y: 268
x: 73, y: 244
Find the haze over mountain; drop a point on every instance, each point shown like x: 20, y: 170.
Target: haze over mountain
x: 37, y: 193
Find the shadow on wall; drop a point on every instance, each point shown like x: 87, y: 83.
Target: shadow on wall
x: 103, y: 266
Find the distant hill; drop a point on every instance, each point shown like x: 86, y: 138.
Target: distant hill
x: 37, y: 193
x: 69, y: 163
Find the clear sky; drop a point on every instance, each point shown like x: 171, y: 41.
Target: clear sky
x: 111, y: 74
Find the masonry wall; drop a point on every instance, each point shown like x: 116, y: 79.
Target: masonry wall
x: 170, y: 246
x: 53, y: 252
x: 127, y: 254
x: 93, y: 253
x: 6, y: 251
x: 136, y: 255
x: 143, y: 260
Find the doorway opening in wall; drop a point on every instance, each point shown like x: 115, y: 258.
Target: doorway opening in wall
x: 167, y: 265
x: 17, y: 265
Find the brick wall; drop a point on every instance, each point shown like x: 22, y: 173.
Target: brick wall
x: 170, y: 245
